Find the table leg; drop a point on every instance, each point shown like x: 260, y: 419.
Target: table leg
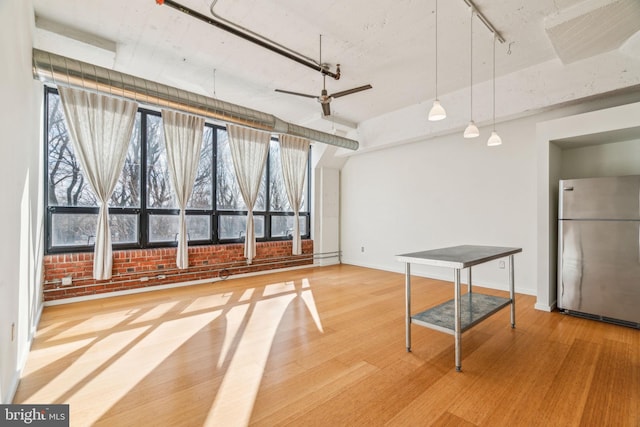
x: 458, y: 316
x: 469, y: 286
x: 407, y: 293
x: 512, y: 293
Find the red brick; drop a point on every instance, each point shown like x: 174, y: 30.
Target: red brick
x: 205, y: 262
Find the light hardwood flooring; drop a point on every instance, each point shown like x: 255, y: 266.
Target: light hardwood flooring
x: 325, y: 346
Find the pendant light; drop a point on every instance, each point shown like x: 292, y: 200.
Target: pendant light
x: 437, y: 112
x: 494, y: 139
x: 472, y: 130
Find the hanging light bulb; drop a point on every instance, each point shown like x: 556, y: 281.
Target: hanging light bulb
x: 494, y: 139
x: 472, y: 130
x: 437, y: 111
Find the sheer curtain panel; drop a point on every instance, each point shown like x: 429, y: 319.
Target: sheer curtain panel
x: 100, y: 128
x: 294, y: 153
x: 183, y: 139
x: 249, y: 150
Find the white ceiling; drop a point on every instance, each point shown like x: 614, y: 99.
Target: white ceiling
x: 389, y: 44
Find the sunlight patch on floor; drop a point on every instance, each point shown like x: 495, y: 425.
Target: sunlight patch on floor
x: 307, y: 297
x: 278, y: 288
x: 246, y: 295
x: 152, y: 314
x: 44, y: 328
x: 237, y: 393
x: 236, y: 396
x: 128, y: 369
x: 234, y: 318
x: 97, y: 322
x: 84, y: 367
x: 40, y: 357
x: 100, y: 366
x: 208, y: 302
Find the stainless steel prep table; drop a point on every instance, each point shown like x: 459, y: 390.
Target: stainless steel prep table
x: 462, y: 312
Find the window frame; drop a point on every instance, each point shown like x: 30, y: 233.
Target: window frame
x: 144, y: 213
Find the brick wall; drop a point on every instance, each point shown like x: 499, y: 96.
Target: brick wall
x: 143, y: 268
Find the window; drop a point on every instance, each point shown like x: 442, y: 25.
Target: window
x: 142, y: 210
x: 281, y: 219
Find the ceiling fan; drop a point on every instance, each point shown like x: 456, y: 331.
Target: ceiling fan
x: 324, y: 98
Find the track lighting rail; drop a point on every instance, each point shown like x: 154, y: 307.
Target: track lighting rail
x: 485, y: 21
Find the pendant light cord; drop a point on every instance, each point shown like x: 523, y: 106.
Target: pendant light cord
x: 494, y: 82
x: 471, y: 66
x: 436, y: 49
x: 324, y: 76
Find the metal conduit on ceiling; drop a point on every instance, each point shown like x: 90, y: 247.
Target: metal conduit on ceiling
x: 253, y: 37
x: 60, y: 70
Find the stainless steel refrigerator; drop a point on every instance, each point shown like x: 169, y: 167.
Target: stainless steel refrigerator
x: 599, y: 248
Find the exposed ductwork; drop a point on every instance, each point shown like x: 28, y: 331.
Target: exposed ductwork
x: 60, y: 70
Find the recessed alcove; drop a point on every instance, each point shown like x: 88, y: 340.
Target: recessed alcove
x: 599, y: 143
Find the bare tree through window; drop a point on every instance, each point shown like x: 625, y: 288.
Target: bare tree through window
x: 73, y: 207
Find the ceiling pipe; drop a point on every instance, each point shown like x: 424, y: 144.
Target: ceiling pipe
x: 254, y: 34
x: 60, y: 70
x: 252, y: 37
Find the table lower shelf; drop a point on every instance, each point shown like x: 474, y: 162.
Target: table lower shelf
x: 474, y: 308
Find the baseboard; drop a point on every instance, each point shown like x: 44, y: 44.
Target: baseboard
x: 545, y: 307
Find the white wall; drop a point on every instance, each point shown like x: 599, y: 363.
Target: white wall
x: 325, y: 166
x: 448, y: 191
x: 20, y: 175
x: 443, y: 192
x: 326, y: 237
x: 606, y: 159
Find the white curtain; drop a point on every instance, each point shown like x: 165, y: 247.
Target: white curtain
x: 100, y: 128
x: 183, y: 139
x: 249, y: 150
x: 294, y: 153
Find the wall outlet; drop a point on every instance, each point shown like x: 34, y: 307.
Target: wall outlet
x: 67, y: 281
x: 500, y: 264
x: 362, y: 249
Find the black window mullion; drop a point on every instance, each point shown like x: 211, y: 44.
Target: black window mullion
x: 216, y: 216
x: 143, y: 231
x: 308, y: 197
x: 47, y: 217
x: 214, y: 180
x: 267, y: 200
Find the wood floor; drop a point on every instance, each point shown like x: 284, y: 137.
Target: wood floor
x: 325, y: 346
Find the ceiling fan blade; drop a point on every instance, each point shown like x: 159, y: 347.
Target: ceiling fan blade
x: 296, y: 93
x: 350, y: 91
x: 326, y: 109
